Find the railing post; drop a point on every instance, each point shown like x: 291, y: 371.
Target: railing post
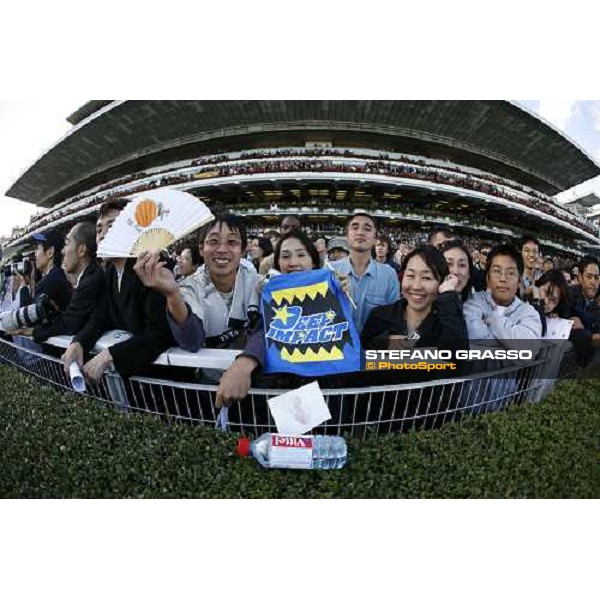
x: 555, y: 350
x: 116, y: 389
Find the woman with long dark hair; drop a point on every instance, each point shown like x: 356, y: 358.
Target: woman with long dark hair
x: 429, y: 315
x: 430, y: 311
x: 260, y: 248
x: 294, y: 253
x: 460, y: 264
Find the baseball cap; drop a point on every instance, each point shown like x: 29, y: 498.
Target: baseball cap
x: 49, y: 238
x: 338, y: 242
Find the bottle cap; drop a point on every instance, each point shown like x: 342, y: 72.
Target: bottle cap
x: 243, y: 447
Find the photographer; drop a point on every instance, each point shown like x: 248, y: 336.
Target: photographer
x: 19, y: 276
x: 52, y: 292
x: 79, y: 261
x: 48, y: 259
x: 23, y: 294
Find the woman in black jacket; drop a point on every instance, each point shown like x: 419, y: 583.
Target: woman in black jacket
x: 429, y: 315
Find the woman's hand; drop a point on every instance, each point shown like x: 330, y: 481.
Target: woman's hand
x: 344, y: 282
x: 236, y: 381
x: 449, y: 284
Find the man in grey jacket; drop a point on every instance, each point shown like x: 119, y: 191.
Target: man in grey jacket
x: 498, y: 314
x: 498, y: 318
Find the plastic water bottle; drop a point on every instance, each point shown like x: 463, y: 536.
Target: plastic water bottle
x: 280, y: 451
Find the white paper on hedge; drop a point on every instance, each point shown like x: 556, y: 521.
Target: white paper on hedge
x: 558, y: 329
x: 300, y: 410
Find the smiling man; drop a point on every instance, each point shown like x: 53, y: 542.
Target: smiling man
x: 371, y: 283
x: 215, y: 306
x: 530, y: 252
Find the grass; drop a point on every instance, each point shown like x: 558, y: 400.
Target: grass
x: 65, y: 446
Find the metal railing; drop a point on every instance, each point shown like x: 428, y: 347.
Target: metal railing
x: 354, y: 411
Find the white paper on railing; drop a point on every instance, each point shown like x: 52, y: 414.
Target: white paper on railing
x: 77, y: 380
x: 299, y: 410
x: 558, y: 329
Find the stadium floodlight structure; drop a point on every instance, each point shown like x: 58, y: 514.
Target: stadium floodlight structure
x: 485, y: 167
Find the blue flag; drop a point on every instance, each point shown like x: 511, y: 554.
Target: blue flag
x: 308, y: 326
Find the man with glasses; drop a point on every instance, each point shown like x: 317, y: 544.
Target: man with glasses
x: 530, y: 251
x: 498, y: 314
x: 497, y: 318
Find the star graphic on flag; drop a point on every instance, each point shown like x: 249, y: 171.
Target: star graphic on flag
x: 330, y: 314
x: 282, y: 314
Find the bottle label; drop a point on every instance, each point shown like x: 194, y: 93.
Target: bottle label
x: 291, y: 451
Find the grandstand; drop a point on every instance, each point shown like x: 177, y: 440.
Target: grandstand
x: 487, y: 168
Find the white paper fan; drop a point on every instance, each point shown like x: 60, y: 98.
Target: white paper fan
x: 152, y: 221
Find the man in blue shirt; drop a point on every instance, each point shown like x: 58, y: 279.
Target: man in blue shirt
x: 371, y: 283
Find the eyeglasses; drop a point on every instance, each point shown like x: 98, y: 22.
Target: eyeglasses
x: 510, y: 274
x: 484, y: 252
x: 591, y: 277
x: 530, y: 251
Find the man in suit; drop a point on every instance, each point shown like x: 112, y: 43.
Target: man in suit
x: 128, y: 305
x: 479, y: 268
x: 79, y: 261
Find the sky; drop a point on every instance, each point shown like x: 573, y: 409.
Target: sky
x: 28, y: 128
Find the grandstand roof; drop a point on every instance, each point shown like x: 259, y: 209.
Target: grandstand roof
x: 588, y: 200
x: 108, y: 135
x: 87, y: 110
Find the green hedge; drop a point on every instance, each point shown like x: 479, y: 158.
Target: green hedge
x: 56, y: 446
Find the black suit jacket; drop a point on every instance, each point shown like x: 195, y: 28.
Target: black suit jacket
x: 56, y: 286
x: 83, y: 301
x: 134, y: 308
x: 479, y: 282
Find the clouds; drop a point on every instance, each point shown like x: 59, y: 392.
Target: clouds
x: 29, y: 128
x: 557, y: 112
x: 594, y: 109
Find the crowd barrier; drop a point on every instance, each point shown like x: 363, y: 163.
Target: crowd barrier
x: 355, y: 411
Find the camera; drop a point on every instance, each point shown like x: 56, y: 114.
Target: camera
x: 41, y: 312
x: 18, y: 268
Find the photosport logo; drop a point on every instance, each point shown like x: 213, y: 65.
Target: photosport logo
x: 423, y: 359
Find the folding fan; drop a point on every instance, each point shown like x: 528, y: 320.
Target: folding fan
x: 153, y: 220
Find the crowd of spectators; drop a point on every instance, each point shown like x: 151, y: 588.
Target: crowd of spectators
x: 312, y: 160
x: 425, y: 288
